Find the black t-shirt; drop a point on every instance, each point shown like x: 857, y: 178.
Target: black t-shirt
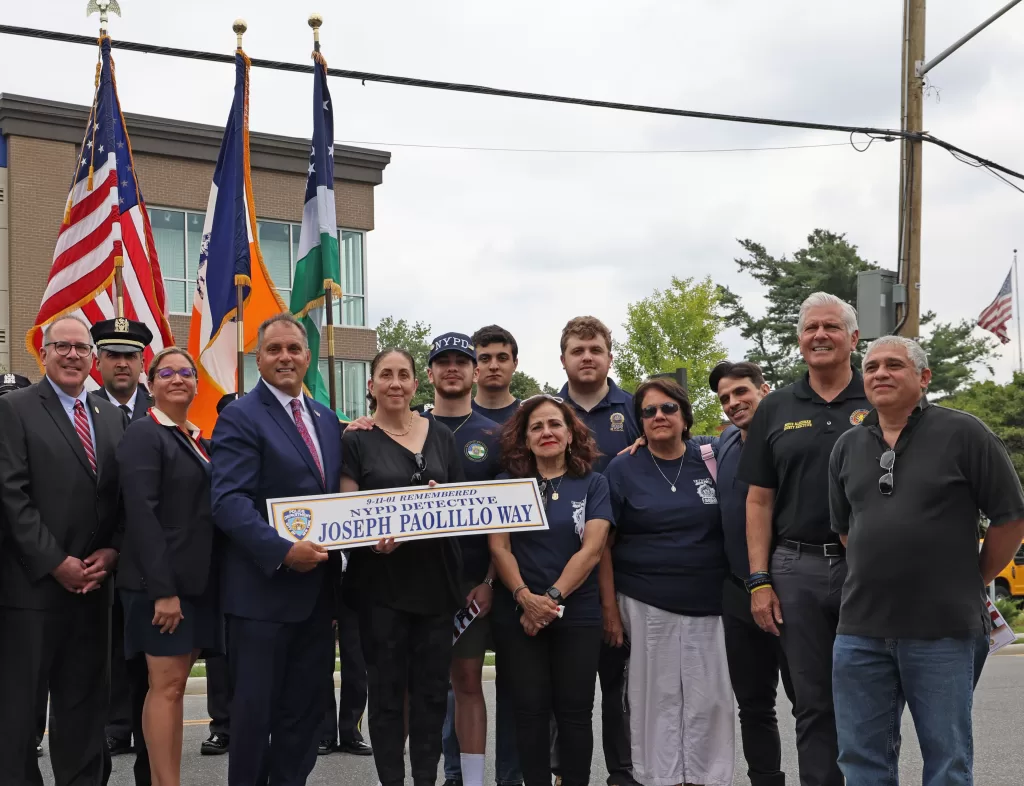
x: 543, y: 555
x: 669, y: 550
x: 476, y: 439
x: 611, y: 422
x: 420, y: 577
x: 912, y: 555
x: 501, y: 416
x: 787, y: 449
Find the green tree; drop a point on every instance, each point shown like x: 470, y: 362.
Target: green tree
x: 830, y: 263
x: 549, y: 389
x: 414, y: 337
x: 1001, y: 408
x: 674, y: 328
x: 523, y: 385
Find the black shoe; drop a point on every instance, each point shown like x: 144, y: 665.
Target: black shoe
x: 325, y: 747
x: 116, y: 747
x: 215, y: 745
x: 453, y: 782
x: 360, y: 748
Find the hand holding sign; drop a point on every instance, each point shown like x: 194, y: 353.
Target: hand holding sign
x: 304, y: 556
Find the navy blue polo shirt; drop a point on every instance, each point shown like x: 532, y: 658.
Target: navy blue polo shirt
x: 502, y: 415
x: 732, y: 501
x: 542, y: 555
x: 476, y: 439
x: 611, y: 422
x: 669, y: 548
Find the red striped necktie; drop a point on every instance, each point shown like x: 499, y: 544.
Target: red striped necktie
x: 300, y: 424
x: 85, y: 433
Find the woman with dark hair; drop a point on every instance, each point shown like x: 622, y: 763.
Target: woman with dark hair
x: 547, y: 619
x: 668, y: 565
x: 406, y: 594
x: 167, y: 572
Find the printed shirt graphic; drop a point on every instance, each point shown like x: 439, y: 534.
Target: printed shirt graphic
x: 542, y: 556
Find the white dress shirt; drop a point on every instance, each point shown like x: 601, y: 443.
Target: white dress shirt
x: 69, y: 407
x: 307, y: 416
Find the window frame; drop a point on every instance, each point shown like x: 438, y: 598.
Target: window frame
x: 190, y: 286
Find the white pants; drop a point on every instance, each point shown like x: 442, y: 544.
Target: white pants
x: 681, y: 705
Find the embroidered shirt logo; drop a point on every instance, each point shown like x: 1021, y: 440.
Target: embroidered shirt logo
x: 706, y: 491
x: 476, y: 450
x: 857, y: 417
x: 579, y: 516
x: 618, y: 420
x: 797, y: 424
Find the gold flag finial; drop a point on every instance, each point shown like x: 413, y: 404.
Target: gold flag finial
x: 239, y: 27
x: 315, y: 20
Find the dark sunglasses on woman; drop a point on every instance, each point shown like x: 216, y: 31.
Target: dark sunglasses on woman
x: 667, y: 408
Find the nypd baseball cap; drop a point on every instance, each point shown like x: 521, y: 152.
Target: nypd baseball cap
x: 452, y: 342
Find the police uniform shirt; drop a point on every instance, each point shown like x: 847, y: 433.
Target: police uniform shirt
x: 788, y: 447
x: 542, y: 556
x: 611, y: 422
x: 476, y: 439
x: 912, y: 555
x: 501, y: 415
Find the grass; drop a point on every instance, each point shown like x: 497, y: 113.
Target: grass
x: 199, y: 670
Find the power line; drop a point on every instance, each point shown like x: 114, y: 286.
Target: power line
x: 366, y: 76
x: 593, y: 152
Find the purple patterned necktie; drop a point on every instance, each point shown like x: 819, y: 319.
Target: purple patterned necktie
x: 300, y: 424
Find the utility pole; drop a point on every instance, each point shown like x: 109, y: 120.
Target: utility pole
x: 915, y: 69
x: 910, y: 173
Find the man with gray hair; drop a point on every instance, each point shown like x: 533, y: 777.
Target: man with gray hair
x: 905, y: 490
x: 785, y: 461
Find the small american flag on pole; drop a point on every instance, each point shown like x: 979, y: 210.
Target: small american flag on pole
x: 996, y: 317
x: 105, y: 223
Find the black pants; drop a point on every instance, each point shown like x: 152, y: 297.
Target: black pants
x: 138, y: 682
x: 218, y: 694
x: 755, y: 661
x: 810, y: 589
x: 553, y: 672
x: 406, y: 653
x: 344, y: 719
x: 68, y: 650
x: 119, y: 716
x: 278, y: 671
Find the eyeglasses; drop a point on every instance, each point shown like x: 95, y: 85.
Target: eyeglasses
x: 63, y: 348
x: 184, y: 373
x: 886, y: 483
x: 667, y: 408
x: 421, y: 465
x: 548, y: 396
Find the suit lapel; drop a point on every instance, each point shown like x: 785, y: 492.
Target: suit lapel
x: 143, y: 401
x: 284, y: 420
x: 53, y: 407
x: 106, y: 445
x: 325, y: 451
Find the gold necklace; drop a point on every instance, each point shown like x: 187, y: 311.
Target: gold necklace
x: 397, y: 433
x: 463, y: 423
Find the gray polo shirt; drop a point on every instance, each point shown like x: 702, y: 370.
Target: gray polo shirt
x: 913, y: 555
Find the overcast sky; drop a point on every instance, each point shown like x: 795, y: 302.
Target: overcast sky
x: 464, y: 238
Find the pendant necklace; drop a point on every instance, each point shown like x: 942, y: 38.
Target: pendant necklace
x: 463, y: 423
x: 658, y: 467
x: 554, y: 487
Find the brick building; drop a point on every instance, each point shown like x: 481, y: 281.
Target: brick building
x: 174, y: 160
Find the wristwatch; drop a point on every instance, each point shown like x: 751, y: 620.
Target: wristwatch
x: 489, y: 582
x: 555, y: 595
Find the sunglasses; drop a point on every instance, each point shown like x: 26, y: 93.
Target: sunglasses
x: 548, y: 396
x: 421, y: 465
x: 184, y: 373
x: 886, y: 483
x: 668, y: 408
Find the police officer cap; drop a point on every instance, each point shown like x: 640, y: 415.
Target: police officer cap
x: 121, y: 335
x: 9, y: 382
x: 452, y: 342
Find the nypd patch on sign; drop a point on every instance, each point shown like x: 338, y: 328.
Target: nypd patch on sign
x: 298, y: 522
x: 476, y: 450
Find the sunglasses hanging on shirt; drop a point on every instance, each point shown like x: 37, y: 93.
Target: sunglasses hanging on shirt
x: 421, y: 465
x: 886, y: 483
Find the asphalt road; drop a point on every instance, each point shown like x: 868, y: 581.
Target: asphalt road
x: 998, y: 727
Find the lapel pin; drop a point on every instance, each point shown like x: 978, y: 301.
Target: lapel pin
x: 96, y: 410
x: 316, y: 413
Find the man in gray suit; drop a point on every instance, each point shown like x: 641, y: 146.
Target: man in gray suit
x: 61, y: 517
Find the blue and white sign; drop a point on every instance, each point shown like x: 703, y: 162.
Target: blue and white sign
x: 364, y: 517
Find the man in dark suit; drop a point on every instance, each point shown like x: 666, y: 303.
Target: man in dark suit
x: 119, y: 347
x: 275, y: 442
x: 62, y: 524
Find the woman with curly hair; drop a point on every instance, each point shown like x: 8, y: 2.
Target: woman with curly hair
x: 547, y: 618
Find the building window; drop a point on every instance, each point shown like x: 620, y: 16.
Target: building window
x: 177, y: 235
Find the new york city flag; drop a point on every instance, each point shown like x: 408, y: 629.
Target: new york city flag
x: 319, y: 265
x: 229, y: 255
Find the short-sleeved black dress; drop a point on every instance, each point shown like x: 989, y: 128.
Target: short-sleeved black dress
x: 419, y: 577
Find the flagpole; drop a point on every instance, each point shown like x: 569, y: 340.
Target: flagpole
x: 1016, y: 311
x: 240, y: 27
x: 315, y: 21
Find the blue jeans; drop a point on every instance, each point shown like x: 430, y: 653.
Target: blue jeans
x: 506, y: 756
x: 874, y: 679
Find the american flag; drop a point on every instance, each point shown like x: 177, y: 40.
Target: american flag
x: 105, y: 218
x: 996, y: 317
